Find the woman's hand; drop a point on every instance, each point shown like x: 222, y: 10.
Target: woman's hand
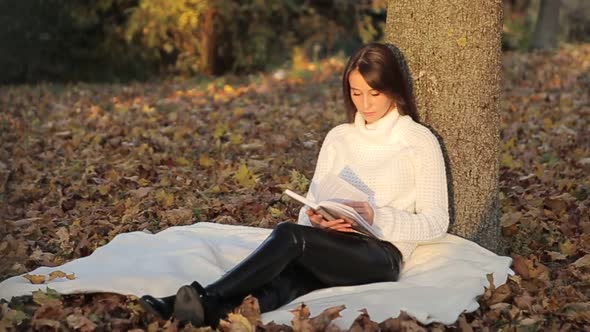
x: 318, y: 220
x: 364, y: 209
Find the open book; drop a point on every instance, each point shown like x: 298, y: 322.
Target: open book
x: 333, y: 193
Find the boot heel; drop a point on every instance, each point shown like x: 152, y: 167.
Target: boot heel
x: 188, y: 306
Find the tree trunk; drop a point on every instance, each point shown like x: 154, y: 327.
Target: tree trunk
x: 547, y: 27
x: 208, y: 54
x: 453, y: 49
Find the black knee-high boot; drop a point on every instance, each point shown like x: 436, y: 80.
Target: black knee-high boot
x: 193, y: 302
x: 291, y: 283
x: 279, y: 250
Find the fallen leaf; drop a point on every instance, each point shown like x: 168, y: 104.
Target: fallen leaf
x: 250, y: 309
x: 35, y: 278
x: 321, y: 321
x: 245, y: 177
x: 579, y: 311
x: 524, y: 301
x: 80, y: 322
x: 403, y: 322
x: 236, y: 323
x: 141, y: 192
x: 582, y: 261
x: 300, y: 321
x: 520, y: 266
x: 56, y: 274
x: 501, y: 294
x: 363, y: 323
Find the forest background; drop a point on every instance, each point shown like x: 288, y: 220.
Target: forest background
x: 125, y: 115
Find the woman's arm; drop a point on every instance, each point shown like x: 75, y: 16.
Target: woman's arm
x: 431, y: 219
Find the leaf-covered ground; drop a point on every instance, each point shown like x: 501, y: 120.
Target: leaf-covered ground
x: 82, y: 163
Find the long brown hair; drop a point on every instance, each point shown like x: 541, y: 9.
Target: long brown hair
x: 384, y: 68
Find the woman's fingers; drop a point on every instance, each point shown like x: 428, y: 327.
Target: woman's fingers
x: 337, y: 224
x: 364, y: 209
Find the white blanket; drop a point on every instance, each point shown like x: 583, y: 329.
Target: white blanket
x: 440, y: 280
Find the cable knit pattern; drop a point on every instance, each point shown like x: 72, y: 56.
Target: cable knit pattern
x: 399, y: 164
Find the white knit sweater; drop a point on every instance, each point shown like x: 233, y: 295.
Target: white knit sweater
x: 399, y: 164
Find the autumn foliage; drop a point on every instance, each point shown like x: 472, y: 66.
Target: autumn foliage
x: 82, y: 163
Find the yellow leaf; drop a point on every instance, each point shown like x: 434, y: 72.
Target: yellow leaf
x: 276, y: 213
x: 235, y: 138
x: 568, y: 248
x: 165, y: 199
x: 239, y: 111
x: 56, y: 274
x: 244, y: 177
x: 35, y: 278
x: 462, y: 42
x: 220, y: 130
x: 112, y: 175
x: 239, y: 323
x: 104, y: 189
x: 182, y: 161
x: 205, y: 161
x: 228, y: 89
x: 147, y: 109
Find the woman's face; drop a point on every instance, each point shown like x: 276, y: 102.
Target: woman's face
x: 372, y: 104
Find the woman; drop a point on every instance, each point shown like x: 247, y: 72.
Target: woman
x: 383, y: 151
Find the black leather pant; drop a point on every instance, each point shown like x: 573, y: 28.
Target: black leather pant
x: 295, y: 260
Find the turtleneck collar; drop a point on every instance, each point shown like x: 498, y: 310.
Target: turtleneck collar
x: 379, y: 129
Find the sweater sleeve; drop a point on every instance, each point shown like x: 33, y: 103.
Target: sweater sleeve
x: 431, y: 217
x: 323, y: 166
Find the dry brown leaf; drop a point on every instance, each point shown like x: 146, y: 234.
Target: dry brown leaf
x: 363, y: 323
x: 403, y: 322
x: 180, y: 216
x: 582, y: 261
x: 579, y: 311
x: 520, y: 266
x: 140, y: 192
x: 323, y: 320
x: 524, y: 300
x: 556, y: 256
x: 80, y: 322
x: 501, y: 294
x: 250, y: 309
x: 41, y: 323
x: 56, y: 274
x: 35, y: 278
x: 463, y: 325
x: 300, y: 321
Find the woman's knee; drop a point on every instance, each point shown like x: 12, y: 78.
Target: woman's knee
x: 289, y: 232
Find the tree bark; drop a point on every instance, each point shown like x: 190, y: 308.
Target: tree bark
x: 453, y: 49
x: 547, y: 27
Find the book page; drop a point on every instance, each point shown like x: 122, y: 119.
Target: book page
x: 348, y: 213
x: 334, y: 187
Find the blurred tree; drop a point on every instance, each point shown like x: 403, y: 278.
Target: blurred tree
x: 107, y: 39
x: 575, y: 20
x: 547, y: 27
x: 67, y: 40
x: 215, y: 37
x: 454, y: 52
